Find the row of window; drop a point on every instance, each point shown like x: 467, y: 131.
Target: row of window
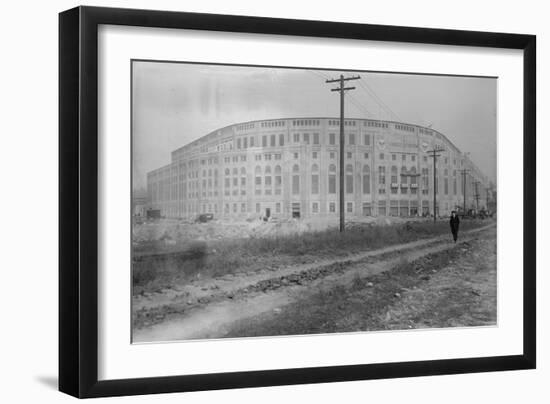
x: 272, y: 124
x: 396, y: 208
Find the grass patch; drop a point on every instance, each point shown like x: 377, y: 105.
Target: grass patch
x: 151, y: 273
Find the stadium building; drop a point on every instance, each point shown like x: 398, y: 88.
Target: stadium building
x: 289, y: 168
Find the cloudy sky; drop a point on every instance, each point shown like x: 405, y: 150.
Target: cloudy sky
x: 175, y: 103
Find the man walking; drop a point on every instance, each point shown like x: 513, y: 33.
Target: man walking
x: 455, y: 222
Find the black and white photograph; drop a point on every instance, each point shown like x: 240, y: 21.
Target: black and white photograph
x: 275, y: 201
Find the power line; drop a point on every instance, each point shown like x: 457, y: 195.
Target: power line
x: 379, y: 101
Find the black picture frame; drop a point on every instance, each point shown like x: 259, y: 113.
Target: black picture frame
x: 78, y: 201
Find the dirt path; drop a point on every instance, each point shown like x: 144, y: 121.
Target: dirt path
x: 208, y: 308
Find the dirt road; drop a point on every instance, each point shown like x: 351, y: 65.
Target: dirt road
x: 220, y: 307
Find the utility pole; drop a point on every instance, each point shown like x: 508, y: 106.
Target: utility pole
x: 464, y: 172
x: 434, y: 155
x: 476, y: 196
x: 342, y: 89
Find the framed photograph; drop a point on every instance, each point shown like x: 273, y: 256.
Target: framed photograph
x: 249, y: 201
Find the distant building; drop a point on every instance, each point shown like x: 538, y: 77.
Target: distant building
x: 140, y: 203
x: 289, y: 168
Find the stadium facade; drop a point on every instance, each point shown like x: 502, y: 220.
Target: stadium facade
x: 290, y: 168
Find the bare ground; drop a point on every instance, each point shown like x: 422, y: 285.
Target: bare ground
x: 426, y: 283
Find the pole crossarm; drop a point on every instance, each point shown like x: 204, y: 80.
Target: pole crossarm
x: 342, y: 89
x: 342, y: 79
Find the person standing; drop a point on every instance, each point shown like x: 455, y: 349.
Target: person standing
x: 455, y: 222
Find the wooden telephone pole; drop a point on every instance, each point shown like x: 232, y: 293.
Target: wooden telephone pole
x: 464, y: 172
x: 434, y: 155
x: 342, y: 89
x: 476, y: 196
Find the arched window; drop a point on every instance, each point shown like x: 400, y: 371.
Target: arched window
x: 243, y: 176
x: 258, y: 178
x: 332, y: 179
x: 267, y: 171
x: 366, y: 179
x: 295, y: 179
x: 349, y: 179
x: 278, y: 179
x: 315, y: 179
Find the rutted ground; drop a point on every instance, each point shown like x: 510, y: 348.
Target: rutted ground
x: 454, y: 287
x: 230, y: 305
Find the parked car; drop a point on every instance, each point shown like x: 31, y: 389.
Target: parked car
x: 204, y: 217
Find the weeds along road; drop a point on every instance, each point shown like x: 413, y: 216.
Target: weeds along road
x: 273, y: 302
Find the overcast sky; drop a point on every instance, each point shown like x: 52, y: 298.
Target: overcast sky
x: 176, y: 103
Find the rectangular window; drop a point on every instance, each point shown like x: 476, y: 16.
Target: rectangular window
x: 367, y: 209
x: 366, y: 155
x: 332, y: 184
x: 257, y: 208
x: 258, y: 180
x: 306, y: 138
x: 349, y: 155
x: 251, y: 141
x: 273, y: 141
x: 315, y: 184
x: 264, y: 141
x: 245, y: 142
x: 366, y: 140
x: 413, y: 158
x: 295, y: 184
x: 315, y: 207
x: 382, y: 175
x: 243, y: 207
x: 315, y: 138
x: 296, y: 156
x: 332, y: 138
x: 349, y: 207
x: 314, y: 155
x: 332, y: 207
x: 277, y: 207
x: 404, y: 157
x: 296, y: 138
x: 281, y: 140
x: 381, y: 157
x: 349, y: 184
x: 332, y: 155
x: 267, y: 182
